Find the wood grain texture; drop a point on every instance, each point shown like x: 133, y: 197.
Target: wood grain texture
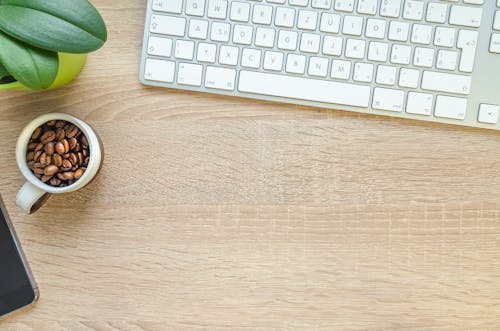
x: 218, y: 213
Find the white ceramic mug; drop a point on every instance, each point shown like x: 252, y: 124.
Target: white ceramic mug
x: 35, y: 192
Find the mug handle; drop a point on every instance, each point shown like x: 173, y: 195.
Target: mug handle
x: 30, y: 198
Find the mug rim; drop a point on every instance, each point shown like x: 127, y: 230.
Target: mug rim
x: 22, y: 146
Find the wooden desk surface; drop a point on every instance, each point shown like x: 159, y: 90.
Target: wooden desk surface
x: 220, y: 213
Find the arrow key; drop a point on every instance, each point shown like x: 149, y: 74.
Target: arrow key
x: 488, y: 113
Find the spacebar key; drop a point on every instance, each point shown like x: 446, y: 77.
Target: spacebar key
x: 304, y: 88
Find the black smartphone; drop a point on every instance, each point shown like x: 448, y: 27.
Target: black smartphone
x: 17, y: 287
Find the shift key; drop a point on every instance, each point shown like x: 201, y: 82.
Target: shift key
x: 449, y: 83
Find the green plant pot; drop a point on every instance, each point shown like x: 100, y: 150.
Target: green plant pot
x: 70, y: 66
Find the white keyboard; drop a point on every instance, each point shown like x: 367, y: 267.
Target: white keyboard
x: 430, y: 60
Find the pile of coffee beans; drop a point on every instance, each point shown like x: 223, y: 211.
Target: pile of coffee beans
x: 58, y: 153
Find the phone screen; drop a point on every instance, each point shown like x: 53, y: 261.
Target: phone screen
x: 16, y: 289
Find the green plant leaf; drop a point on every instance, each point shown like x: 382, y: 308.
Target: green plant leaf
x: 3, y: 72
x: 70, y: 26
x: 36, y: 68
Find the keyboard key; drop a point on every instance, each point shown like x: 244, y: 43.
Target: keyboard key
x: 449, y: 83
x: 398, y: 31
x: 159, y: 70
x: 488, y: 114
x: 285, y: 17
x: 295, y: 64
x: 451, y: 107
x: 419, y: 103
x: 409, y: 78
x: 168, y: 25
x: 390, y: 8
x: 495, y: 43
x: 330, y: 23
x: 198, y: 29
x: 195, y: 7
x: 378, y: 51
x: 309, y: 43
x: 401, y: 54
x: 447, y: 60
x: 242, y: 34
x: 262, y: 14
x: 386, y: 75
x: 217, y: 9
x: 368, y: 7
x: 363, y: 72
x: 332, y: 45
x: 304, y: 88
x: 413, y: 10
x: 341, y: 69
x: 318, y: 66
x: 302, y: 3
x: 220, y: 78
x: 287, y: 40
x: 344, y: 5
x: 189, y: 74
x: 444, y: 37
x: 307, y: 20
x: 206, y: 52
x: 228, y: 55
x: 375, y: 28
x: 322, y: 4
x: 168, y: 6
x: 273, y: 61
x: 436, y: 12
x: 160, y: 46
x: 240, y: 11
x: 353, y: 25
x: 424, y: 57
x: 355, y: 48
x: 250, y: 58
x: 388, y: 99
x: 220, y: 31
x: 264, y: 37
x: 466, y: 16
x: 421, y: 34
x: 467, y: 42
x: 184, y: 49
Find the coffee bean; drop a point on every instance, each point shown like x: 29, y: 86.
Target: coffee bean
x: 31, y: 164
x: 80, y: 158
x: 60, y: 124
x: 85, y: 142
x: 39, y: 147
x: 36, y: 134
x: 39, y: 176
x: 72, y: 131
x: 43, y: 159
x: 60, y: 134
x: 66, y: 145
x: 66, y: 165
x: 78, y: 147
x: 59, y: 147
x: 30, y: 156
x: 69, y: 175
x: 57, y: 160
x: 37, y: 155
x: 31, y: 146
x: 48, y: 137
x: 51, y: 170
x: 73, y: 159
x: 55, y: 181
x: 38, y: 168
x: 51, y: 123
x: 49, y: 148
x: 79, y: 173
x: 72, y: 143
x: 86, y: 162
x: 46, y: 178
